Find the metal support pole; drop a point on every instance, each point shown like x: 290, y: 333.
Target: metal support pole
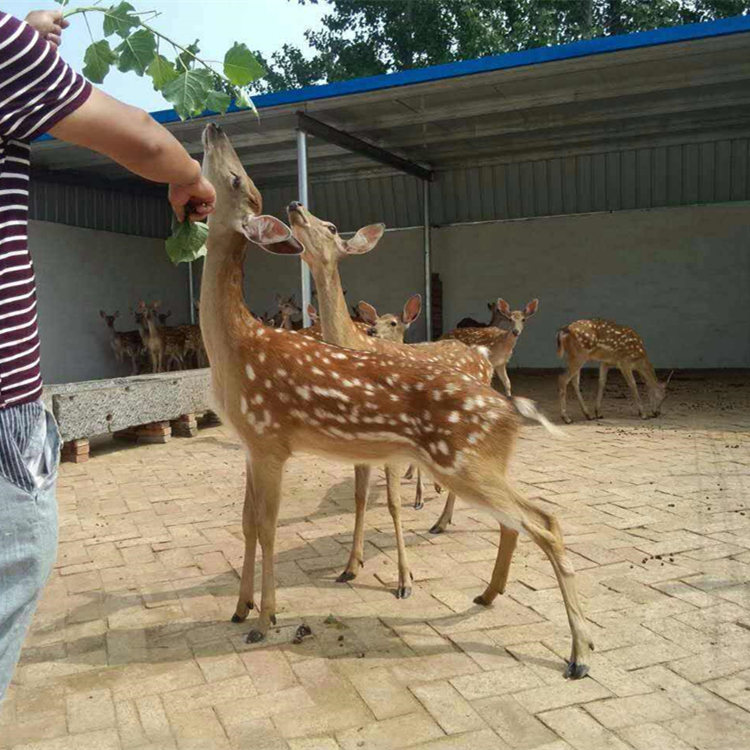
x: 304, y: 200
x: 427, y: 259
x: 191, y: 293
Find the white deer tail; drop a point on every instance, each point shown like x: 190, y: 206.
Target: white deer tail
x: 527, y: 408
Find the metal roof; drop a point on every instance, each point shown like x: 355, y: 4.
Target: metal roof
x: 675, y: 85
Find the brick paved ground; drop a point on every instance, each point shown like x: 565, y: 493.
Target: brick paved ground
x: 132, y: 645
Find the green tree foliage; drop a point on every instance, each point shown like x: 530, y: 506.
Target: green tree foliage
x: 368, y: 37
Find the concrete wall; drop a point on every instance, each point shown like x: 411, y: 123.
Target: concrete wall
x: 80, y: 271
x: 679, y: 276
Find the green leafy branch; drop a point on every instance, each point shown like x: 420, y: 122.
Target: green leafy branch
x: 188, y: 82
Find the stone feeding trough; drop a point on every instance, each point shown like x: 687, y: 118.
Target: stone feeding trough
x: 143, y: 408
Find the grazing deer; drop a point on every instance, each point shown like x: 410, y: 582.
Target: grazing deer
x: 610, y: 344
x: 124, y: 343
x: 496, y: 319
x: 286, y: 394
x: 499, y: 342
x: 390, y: 327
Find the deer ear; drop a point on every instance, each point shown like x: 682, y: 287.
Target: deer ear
x: 367, y: 312
x: 490, y: 306
x: 271, y: 234
x: 312, y: 312
x: 503, y: 307
x: 530, y: 308
x: 412, y: 308
x: 365, y: 239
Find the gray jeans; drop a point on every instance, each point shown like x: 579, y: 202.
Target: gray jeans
x: 28, y: 523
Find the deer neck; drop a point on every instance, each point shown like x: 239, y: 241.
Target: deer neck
x: 336, y: 325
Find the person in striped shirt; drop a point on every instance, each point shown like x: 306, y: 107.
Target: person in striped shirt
x: 40, y: 93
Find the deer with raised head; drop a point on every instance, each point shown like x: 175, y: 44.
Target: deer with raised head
x: 499, y: 342
x: 124, y: 343
x: 288, y: 311
x: 324, y: 249
x: 164, y: 345
x: 612, y: 345
x: 285, y: 394
x: 163, y: 317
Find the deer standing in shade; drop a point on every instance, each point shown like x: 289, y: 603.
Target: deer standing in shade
x: 285, y: 394
x: 124, y: 343
x: 610, y: 344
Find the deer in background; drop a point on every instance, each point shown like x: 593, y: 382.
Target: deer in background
x: 286, y: 394
x: 124, y: 343
x: 164, y: 344
x: 612, y: 345
x: 496, y: 319
x: 389, y: 326
x: 163, y: 317
x: 288, y: 309
x: 499, y: 342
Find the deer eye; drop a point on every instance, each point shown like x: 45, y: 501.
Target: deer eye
x: 393, y: 323
x: 236, y: 181
x: 332, y: 229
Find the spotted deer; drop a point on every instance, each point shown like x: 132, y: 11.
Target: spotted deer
x: 285, y: 394
x: 125, y: 344
x: 499, y: 342
x: 496, y: 319
x: 393, y: 328
x: 164, y: 345
x: 288, y: 309
x: 324, y: 249
x: 389, y: 326
x: 612, y: 345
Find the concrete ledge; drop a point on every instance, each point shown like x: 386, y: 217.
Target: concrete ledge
x: 96, y: 407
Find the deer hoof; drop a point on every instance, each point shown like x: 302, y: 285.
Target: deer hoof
x: 238, y: 618
x: 418, y: 504
x: 566, y: 419
x: 437, y: 529
x: 346, y: 576
x: 575, y: 670
x: 481, y: 600
x: 598, y: 416
x: 403, y: 592
x: 589, y: 417
x: 254, y: 636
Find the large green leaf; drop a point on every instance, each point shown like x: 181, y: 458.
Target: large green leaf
x: 188, y: 241
x: 189, y: 92
x: 98, y: 60
x: 218, y: 101
x: 136, y: 52
x: 243, y: 101
x: 186, y: 59
x: 119, y: 19
x: 240, y: 65
x: 161, y: 71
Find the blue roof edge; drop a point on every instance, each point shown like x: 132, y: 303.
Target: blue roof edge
x: 505, y: 61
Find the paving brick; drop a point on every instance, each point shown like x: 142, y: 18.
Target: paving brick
x: 652, y: 737
x: 199, y: 729
x: 555, y: 696
x: 269, y: 670
x: 496, y: 682
x: 401, y: 731
x: 615, y: 713
x: 384, y: 695
x: 483, y: 739
x: 513, y: 722
x: 90, y: 711
x: 575, y: 726
x: 445, y: 704
x: 103, y: 740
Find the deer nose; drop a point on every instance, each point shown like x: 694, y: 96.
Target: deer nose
x: 294, y: 206
x: 370, y: 331
x: 215, y: 127
x: 516, y: 332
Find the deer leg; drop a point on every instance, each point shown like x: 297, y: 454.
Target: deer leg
x: 630, y: 380
x: 418, y: 498
x: 357, y: 556
x: 502, y: 373
x: 544, y: 529
x: 603, y: 370
x: 579, y: 396
x: 250, y: 530
x: 267, y: 475
x: 508, y: 541
x: 409, y: 472
x: 446, y: 517
x: 562, y: 393
x: 394, y: 507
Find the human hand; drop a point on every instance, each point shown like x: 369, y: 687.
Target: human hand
x: 199, y: 197
x: 49, y: 24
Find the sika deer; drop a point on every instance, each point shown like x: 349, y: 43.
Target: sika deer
x: 390, y: 327
x: 124, y: 343
x: 288, y: 309
x: 324, y: 249
x: 496, y: 319
x: 499, y: 342
x: 286, y: 394
x: 610, y: 344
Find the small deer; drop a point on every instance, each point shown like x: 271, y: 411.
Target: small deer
x: 499, y: 342
x: 124, y: 343
x: 389, y: 326
x: 496, y: 319
x: 610, y: 344
x: 163, y: 344
x: 163, y: 317
x: 285, y: 394
x: 288, y: 309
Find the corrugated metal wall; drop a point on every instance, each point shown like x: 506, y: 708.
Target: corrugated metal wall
x: 711, y: 172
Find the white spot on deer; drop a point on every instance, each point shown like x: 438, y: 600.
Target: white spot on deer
x: 268, y: 383
x: 284, y: 398
x: 317, y: 371
x: 472, y: 437
x: 243, y: 405
x: 442, y: 446
x: 338, y: 355
x: 282, y: 373
x: 262, y: 357
x: 303, y: 391
x: 257, y: 399
x: 454, y: 417
x: 249, y: 371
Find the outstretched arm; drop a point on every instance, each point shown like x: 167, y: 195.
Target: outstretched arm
x: 131, y: 137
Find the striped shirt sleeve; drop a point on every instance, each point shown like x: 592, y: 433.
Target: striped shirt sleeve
x: 37, y: 89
